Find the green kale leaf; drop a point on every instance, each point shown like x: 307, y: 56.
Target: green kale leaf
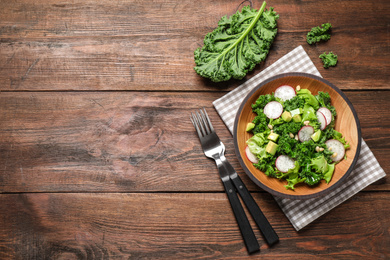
x: 313, y: 178
x: 294, y: 103
x: 266, y: 165
x: 329, y: 60
x: 323, y: 98
x: 260, y: 121
x: 287, y: 128
x: 286, y: 144
x: 262, y: 101
x: 237, y: 44
x: 339, y: 136
x: 275, y: 122
x: 317, y: 34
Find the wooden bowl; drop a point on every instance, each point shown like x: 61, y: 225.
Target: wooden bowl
x: 347, y: 123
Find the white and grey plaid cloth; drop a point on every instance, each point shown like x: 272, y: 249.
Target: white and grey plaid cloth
x: 302, y: 212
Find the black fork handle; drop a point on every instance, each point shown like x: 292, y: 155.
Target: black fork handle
x: 245, y: 228
x: 265, y: 227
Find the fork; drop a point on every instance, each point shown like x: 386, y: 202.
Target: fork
x: 213, y: 148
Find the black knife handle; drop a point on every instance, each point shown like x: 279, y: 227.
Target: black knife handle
x: 265, y: 227
x: 246, y: 230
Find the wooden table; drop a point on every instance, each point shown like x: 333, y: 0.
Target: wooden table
x: 99, y: 159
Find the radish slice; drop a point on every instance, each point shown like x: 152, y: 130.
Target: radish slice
x: 326, y: 112
x: 251, y: 157
x: 284, y: 163
x: 321, y: 119
x: 273, y: 109
x: 285, y: 92
x: 305, y: 133
x: 337, y: 148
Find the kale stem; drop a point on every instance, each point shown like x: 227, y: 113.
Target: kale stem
x: 250, y: 27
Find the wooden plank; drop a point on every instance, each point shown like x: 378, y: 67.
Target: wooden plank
x: 168, y: 226
x: 122, y: 45
x: 131, y: 141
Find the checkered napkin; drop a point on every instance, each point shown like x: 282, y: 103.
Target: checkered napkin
x: 302, y: 212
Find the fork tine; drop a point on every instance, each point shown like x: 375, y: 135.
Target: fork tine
x: 205, y: 122
x: 195, y: 123
x: 208, y: 121
x: 201, y: 123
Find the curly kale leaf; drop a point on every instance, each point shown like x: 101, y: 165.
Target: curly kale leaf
x: 286, y: 144
x: 329, y: 60
x: 339, y: 136
x: 317, y: 34
x: 266, y: 165
x: 313, y: 178
x: 287, y: 128
x: 294, y: 103
x: 237, y: 44
x: 261, y: 122
x: 324, y: 100
x: 262, y: 101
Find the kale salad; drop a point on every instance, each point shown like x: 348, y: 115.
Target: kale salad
x: 294, y: 136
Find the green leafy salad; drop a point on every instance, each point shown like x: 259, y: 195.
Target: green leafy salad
x: 294, y: 136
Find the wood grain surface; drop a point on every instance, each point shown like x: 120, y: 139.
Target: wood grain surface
x: 124, y: 45
x: 180, y: 226
x: 99, y: 160
x: 130, y: 141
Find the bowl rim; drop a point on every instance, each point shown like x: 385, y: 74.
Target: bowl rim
x: 263, y: 186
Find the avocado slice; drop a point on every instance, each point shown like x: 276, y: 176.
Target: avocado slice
x: 273, y: 137
x: 250, y: 126
x: 316, y: 136
x: 271, y: 148
x: 297, y: 118
x: 286, y: 116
